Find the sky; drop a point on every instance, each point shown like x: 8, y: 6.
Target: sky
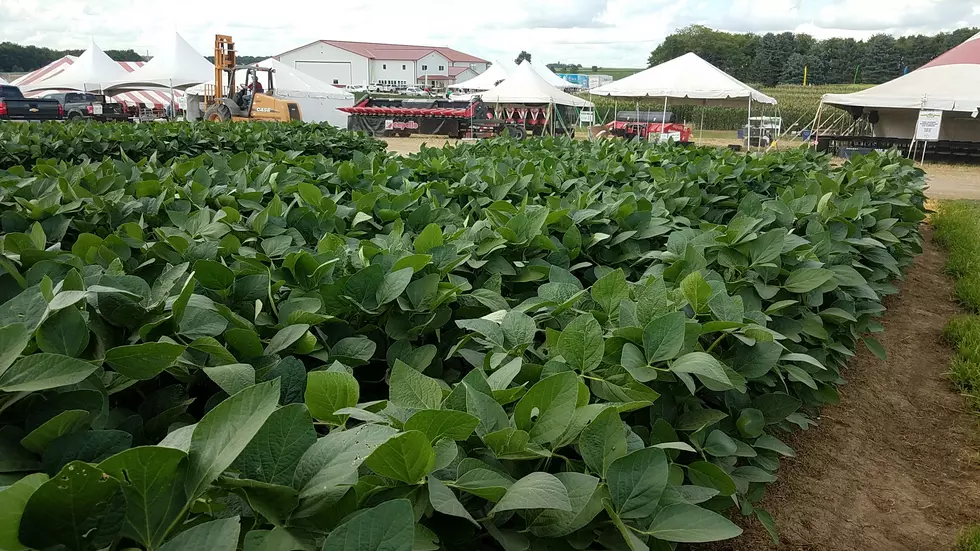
x: 609, y: 33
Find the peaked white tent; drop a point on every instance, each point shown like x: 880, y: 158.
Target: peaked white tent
x: 525, y: 85
x: 950, y: 83
x: 686, y: 79
x: 487, y: 79
x: 3, y: 81
x: 551, y: 78
x: 176, y: 65
x: 318, y: 101
x: 91, y: 71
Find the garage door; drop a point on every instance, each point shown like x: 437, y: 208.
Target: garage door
x: 331, y: 72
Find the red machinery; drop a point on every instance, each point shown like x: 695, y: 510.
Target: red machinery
x: 648, y: 125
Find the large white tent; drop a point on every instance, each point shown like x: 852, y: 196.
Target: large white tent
x: 950, y: 83
x: 3, y: 81
x: 526, y: 86
x: 92, y: 70
x: 687, y: 79
x: 175, y: 65
x: 487, y: 79
x: 318, y: 101
x: 551, y: 78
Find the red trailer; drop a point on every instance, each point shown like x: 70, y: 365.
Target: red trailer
x: 648, y: 126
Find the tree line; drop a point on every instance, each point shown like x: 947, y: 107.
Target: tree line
x: 15, y: 58
x: 780, y: 58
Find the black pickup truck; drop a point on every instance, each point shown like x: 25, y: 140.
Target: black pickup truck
x: 85, y: 105
x: 15, y: 107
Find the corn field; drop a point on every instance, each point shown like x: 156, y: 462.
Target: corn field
x: 796, y: 104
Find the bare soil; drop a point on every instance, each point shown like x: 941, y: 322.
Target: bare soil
x: 894, y: 467
x: 953, y: 181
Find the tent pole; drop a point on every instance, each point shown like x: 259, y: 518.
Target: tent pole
x: 815, y: 125
x: 663, y: 120
x: 704, y: 105
x: 748, y: 125
x: 924, y: 146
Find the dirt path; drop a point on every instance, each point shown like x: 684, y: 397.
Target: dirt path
x: 953, y: 181
x: 894, y: 467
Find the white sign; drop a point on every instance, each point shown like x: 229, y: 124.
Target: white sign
x: 97, y: 109
x: 666, y: 136
x: 586, y: 116
x: 928, y: 126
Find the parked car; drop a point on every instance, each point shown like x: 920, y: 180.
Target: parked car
x: 357, y: 89
x: 85, y: 105
x: 412, y: 91
x: 15, y: 107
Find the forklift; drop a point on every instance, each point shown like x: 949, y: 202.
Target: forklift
x: 250, y: 102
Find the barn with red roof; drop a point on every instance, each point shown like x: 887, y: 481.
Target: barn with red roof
x: 346, y: 63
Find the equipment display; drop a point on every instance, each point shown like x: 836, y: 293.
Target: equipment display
x: 250, y: 101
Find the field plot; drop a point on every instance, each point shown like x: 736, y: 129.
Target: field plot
x: 494, y: 345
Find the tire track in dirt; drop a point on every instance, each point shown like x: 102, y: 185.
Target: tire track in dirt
x: 895, y: 466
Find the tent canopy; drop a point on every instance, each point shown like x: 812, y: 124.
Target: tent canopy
x: 951, y: 82
x: 487, y: 79
x: 551, y: 78
x: 687, y: 79
x: 525, y: 85
x: 91, y: 70
x: 289, y: 83
x: 2, y: 81
x: 176, y: 65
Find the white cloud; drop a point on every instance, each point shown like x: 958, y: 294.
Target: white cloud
x: 615, y: 33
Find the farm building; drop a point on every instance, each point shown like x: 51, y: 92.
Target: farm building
x: 341, y: 62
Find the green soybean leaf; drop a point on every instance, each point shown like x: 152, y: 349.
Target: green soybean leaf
x: 875, y: 347
x: 663, y: 337
x: 710, y: 475
x: 223, y: 433
x: 275, y: 451
x: 393, y: 285
x: 776, y: 406
x: 13, y: 341
x: 438, y: 424
x: 430, y: 238
x: 697, y: 419
x: 90, y: 446
x: 445, y: 501
x: 285, y: 338
x: 750, y: 423
x: 411, y: 389
x: 143, y: 361
x: 328, y: 391
x: 353, y: 351
x: 686, y: 523
x: 706, y: 368
x: 603, y: 441
x: 636, y: 481
x: 697, y: 291
x: 546, y: 410
x: 217, y: 535
x: 719, y: 444
x: 232, y: 378
x: 152, y: 479
x: 65, y: 332
x: 417, y: 262
x: 44, y: 371
x: 484, y: 483
x: 610, y: 290
x: 82, y: 508
x: 66, y: 422
x: 407, y: 457
x: 13, y: 499
x: 537, y: 490
x: 387, y: 527
x: 518, y: 329
x: 805, y: 280
x: 585, y: 496
x: 213, y: 275
x: 581, y: 343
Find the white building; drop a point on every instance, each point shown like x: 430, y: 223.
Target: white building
x: 343, y: 63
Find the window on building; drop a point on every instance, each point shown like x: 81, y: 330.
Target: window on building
x: 425, y: 67
x: 384, y: 66
x: 336, y: 81
x: 442, y: 67
x: 404, y: 67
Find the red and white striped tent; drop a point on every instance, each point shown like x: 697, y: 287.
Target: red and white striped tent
x: 152, y: 99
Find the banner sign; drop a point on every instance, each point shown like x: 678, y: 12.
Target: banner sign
x: 928, y: 126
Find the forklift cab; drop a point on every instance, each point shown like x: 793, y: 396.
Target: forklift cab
x: 244, y: 98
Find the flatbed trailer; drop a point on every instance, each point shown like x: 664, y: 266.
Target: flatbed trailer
x: 455, y: 119
x: 942, y: 150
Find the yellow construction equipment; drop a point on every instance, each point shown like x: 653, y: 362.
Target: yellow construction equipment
x: 248, y: 101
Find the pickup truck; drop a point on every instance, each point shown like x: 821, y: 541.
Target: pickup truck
x: 15, y: 107
x: 84, y: 105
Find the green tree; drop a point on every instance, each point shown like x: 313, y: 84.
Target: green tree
x: 522, y: 56
x: 881, y: 61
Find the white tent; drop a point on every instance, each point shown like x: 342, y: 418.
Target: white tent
x: 687, y: 79
x: 91, y: 71
x: 3, y: 81
x: 176, y: 65
x: 551, y: 78
x: 950, y: 83
x: 318, y: 101
x: 487, y: 79
x: 526, y: 86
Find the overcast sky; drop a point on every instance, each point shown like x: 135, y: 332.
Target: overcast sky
x: 612, y: 33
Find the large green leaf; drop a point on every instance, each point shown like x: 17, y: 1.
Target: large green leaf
x: 275, y: 451
x: 45, y: 371
x: 663, y: 337
x: 805, y: 280
x: 393, y: 285
x: 706, y: 368
x: 143, y: 361
x: 411, y: 389
x: 406, y: 458
x: 65, y: 332
x: 535, y: 491
x: 636, y: 482
x: 224, y: 432
x: 13, y: 499
x: 217, y: 535
x: 387, y: 527
x: 585, y: 495
x: 66, y: 422
x: 90, y: 446
x: 437, y: 424
x: 610, y: 290
x: 152, y: 479
x: 445, y: 501
x: 580, y: 343
x: 232, y: 378
x: 82, y: 508
x: 546, y: 410
x: 603, y: 441
x: 328, y: 391
x: 13, y: 340
x: 686, y: 523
